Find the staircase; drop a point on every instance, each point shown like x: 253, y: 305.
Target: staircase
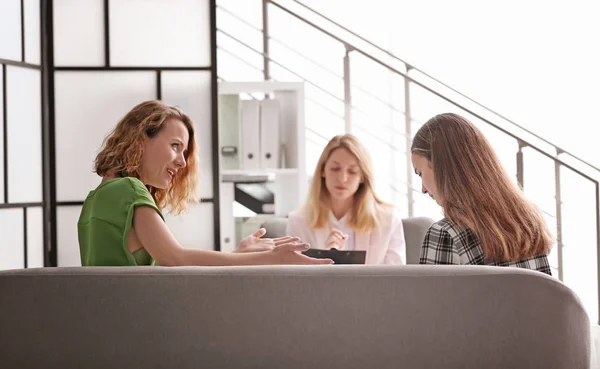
x: 354, y: 86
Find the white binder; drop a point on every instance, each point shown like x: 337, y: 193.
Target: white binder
x: 250, y: 134
x: 230, y: 131
x: 269, y: 134
x: 227, y: 195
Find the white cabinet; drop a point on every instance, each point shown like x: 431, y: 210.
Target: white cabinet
x: 261, y: 140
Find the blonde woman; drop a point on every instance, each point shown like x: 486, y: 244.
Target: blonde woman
x: 488, y: 220
x: 342, y: 210
x: 149, y: 163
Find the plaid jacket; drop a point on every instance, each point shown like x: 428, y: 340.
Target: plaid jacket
x: 446, y: 244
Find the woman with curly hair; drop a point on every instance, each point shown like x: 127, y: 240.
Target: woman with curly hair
x: 148, y: 163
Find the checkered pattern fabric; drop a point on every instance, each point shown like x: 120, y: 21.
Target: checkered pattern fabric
x: 445, y: 243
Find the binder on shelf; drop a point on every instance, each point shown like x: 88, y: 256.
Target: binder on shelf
x: 250, y: 134
x: 228, y: 236
x: 269, y: 134
x: 229, y: 131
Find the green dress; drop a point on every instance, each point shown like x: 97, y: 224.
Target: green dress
x: 105, y: 221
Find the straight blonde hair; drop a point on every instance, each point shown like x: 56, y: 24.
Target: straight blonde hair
x: 477, y: 193
x: 365, y: 214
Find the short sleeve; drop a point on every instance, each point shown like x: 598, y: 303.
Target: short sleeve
x: 438, y: 247
x: 141, y: 197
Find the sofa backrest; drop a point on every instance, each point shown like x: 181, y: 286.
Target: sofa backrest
x: 340, y: 316
x: 414, y: 232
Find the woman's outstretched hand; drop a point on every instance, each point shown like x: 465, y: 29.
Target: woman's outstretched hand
x: 254, y: 242
x: 291, y: 253
x: 281, y: 250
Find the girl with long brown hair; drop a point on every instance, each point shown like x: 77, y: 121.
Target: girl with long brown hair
x: 148, y: 163
x: 488, y: 220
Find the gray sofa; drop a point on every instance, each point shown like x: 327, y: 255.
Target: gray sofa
x: 334, y: 316
x: 414, y: 232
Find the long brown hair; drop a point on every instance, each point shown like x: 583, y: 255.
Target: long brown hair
x: 122, y: 151
x: 477, y: 193
x: 366, y: 211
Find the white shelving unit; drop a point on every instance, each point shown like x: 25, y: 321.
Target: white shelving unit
x: 287, y: 178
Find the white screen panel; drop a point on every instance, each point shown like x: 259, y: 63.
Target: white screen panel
x: 1, y: 139
x: 191, y: 92
x: 11, y: 247
x: 194, y: 229
x: 24, y: 122
x: 88, y: 107
x: 10, y: 29
x: 159, y: 33
x: 78, y: 32
x: 66, y: 235
x: 35, y: 238
x: 32, y: 31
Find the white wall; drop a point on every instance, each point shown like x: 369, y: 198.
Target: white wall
x: 532, y: 61
x: 21, y: 222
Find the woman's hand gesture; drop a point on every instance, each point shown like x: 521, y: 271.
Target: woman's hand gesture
x: 254, y: 242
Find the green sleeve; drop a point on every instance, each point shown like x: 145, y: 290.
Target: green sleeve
x: 105, y: 220
x: 140, y: 196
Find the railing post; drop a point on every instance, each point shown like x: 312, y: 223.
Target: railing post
x: 265, y: 25
x: 520, y: 166
x: 557, y: 197
x: 408, y: 137
x: 347, y: 91
x: 598, y: 242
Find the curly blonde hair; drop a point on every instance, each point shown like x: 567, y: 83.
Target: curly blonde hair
x: 122, y: 151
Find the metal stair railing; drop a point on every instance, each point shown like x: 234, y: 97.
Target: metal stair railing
x: 413, y: 76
